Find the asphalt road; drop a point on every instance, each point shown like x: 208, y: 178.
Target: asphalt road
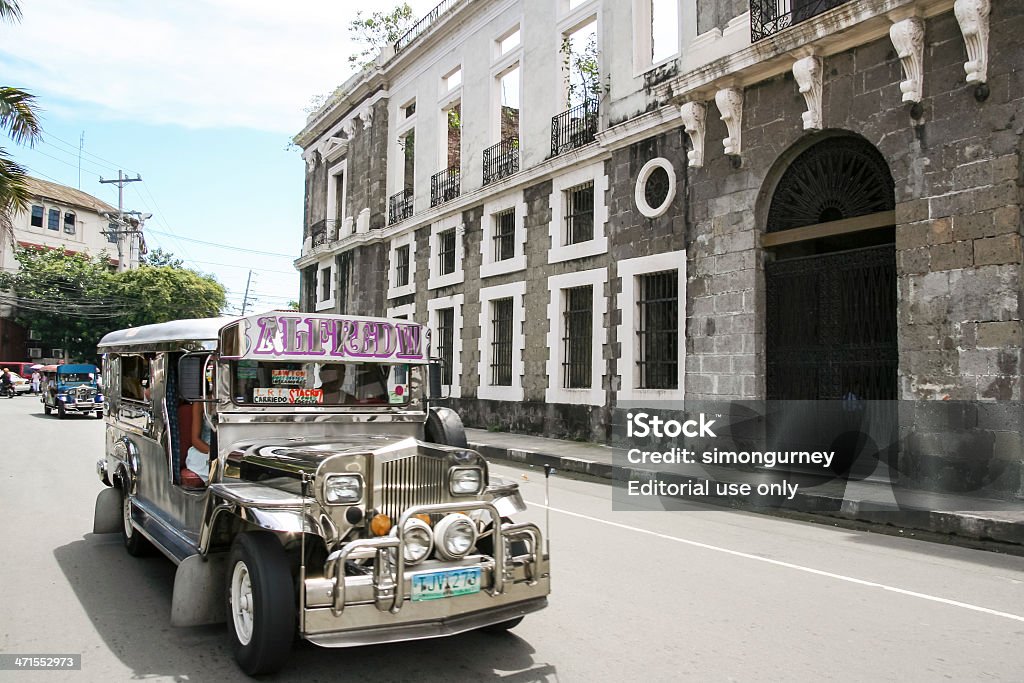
x: 653, y: 596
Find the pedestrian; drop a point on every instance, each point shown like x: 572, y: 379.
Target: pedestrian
x: 36, y: 378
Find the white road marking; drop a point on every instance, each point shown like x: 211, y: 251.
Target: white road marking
x: 790, y: 565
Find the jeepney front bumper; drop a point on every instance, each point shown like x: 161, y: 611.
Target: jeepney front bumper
x: 363, y: 609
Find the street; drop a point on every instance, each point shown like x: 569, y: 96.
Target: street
x: 704, y: 595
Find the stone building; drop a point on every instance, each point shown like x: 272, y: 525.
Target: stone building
x: 791, y: 199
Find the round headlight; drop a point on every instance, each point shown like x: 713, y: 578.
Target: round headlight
x: 343, y: 489
x: 454, y: 536
x: 417, y: 541
x: 464, y: 481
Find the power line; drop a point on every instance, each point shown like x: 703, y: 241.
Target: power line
x: 228, y: 246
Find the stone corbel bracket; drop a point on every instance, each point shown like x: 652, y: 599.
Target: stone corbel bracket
x: 693, y: 115
x: 808, y: 74
x: 730, y: 104
x: 907, y: 37
x: 366, y: 114
x: 972, y: 15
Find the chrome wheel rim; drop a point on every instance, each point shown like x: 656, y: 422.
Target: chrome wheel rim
x: 241, y: 603
x: 126, y: 515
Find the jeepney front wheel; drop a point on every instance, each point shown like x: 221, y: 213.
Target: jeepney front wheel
x: 260, y: 603
x: 61, y: 411
x: 503, y: 626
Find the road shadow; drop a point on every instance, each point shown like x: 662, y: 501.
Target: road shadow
x: 128, y: 600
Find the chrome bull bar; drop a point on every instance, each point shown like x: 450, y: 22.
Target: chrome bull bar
x: 390, y: 585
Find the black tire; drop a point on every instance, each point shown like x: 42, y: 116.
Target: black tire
x: 99, y: 414
x: 46, y: 409
x: 261, y: 630
x: 135, y: 543
x: 503, y: 626
x: 61, y: 413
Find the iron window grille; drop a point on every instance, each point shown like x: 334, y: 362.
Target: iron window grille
x: 574, y: 127
x: 658, y: 330
x: 69, y: 222
x: 446, y: 342
x: 446, y: 251
x: 504, y: 235
x: 402, y: 266
x: 768, y: 17
x: 577, y: 339
x: 501, y: 342
x: 112, y: 233
x: 579, y: 214
x: 53, y: 219
x: 318, y: 233
x: 37, y: 216
x: 501, y: 160
x: 400, y: 206
x: 444, y: 186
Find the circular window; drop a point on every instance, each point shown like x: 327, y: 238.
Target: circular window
x: 655, y: 187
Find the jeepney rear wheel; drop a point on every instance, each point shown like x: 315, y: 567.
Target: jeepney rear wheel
x: 135, y: 543
x: 503, y: 626
x: 260, y: 603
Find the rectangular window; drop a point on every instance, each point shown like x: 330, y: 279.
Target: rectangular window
x: 37, y: 216
x: 69, y: 222
x: 135, y: 378
x: 409, y: 109
x: 664, y: 29
x: 453, y: 135
x: 53, y: 219
x: 402, y: 266
x: 509, y: 98
x: 112, y: 233
x: 504, y: 235
x: 325, y: 284
x: 658, y: 330
x: 453, y: 80
x: 579, y: 213
x: 409, y: 160
x: 446, y: 251
x: 577, y: 337
x: 501, y: 342
x: 508, y: 42
x: 446, y: 342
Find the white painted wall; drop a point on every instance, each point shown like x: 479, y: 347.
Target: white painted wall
x: 87, y: 237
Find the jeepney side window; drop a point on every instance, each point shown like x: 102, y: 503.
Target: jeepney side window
x: 135, y: 378
x: 112, y: 379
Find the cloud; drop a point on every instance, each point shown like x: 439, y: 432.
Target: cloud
x: 199, y: 64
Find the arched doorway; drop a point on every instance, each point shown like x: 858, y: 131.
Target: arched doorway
x: 830, y: 276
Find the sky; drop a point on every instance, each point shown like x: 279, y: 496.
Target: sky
x: 201, y: 99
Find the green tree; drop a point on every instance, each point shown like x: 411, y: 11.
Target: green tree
x: 161, y: 293
x: 377, y: 30
x: 583, y: 70
x: 159, y: 257
x: 19, y: 120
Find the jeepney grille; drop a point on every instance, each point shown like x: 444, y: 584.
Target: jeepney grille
x: 416, y: 480
x: 82, y: 393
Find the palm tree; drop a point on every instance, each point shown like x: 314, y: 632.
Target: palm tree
x: 19, y: 120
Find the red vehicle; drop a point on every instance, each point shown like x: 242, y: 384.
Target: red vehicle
x: 23, y: 368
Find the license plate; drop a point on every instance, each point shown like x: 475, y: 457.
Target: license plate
x: 446, y: 584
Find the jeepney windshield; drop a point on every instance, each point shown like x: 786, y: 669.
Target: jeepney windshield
x: 315, y: 383
x: 75, y: 377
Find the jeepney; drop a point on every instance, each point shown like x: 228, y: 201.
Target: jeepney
x: 72, y: 388
x: 342, y: 504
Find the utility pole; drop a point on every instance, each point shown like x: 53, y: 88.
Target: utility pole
x: 81, y: 145
x: 122, y: 226
x: 245, y: 297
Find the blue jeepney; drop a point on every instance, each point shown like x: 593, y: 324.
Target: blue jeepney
x: 73, y: 388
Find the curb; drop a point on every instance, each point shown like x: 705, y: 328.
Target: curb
x: 974, y: 526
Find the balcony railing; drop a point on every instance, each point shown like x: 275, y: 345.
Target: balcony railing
x: 318, y: 234
x: 400, y: 206
x: 501, y: 160
x: 444, y: 186
x: 768, y: 17
x: 423, y: 24
x: 574, y: 127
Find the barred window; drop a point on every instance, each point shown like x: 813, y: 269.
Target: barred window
x: 579, y: 213
x: 53, y: 219
x: 446, y: 342
x: 37, y: 216
x: 504, y: 235
x: 501, y: 342
x: 658, y: 330
x: 69, y: 222
x: 446, y: 251
x: 577, y: 337
x: 325, y: 284
x: 112, y: 233
x: 402, y: 266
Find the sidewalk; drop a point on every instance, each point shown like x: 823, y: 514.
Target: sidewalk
x: 862, y: 501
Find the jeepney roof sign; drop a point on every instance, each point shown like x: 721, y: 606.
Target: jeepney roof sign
x: 295, y: 336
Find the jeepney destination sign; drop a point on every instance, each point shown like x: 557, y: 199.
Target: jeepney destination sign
x: 335, y: 337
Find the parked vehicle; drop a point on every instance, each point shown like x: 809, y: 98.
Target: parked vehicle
x: 341, y: 505
x: 72, y: 388
x: 20, y: 384
x: 23, y: 368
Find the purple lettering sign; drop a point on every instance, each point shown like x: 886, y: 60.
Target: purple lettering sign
x: 334, y: 337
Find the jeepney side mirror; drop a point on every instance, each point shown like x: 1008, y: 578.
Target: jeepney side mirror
x: 191, y: 376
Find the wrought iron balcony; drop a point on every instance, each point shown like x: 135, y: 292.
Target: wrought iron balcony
x: 768, y: 17
x: 400, y: 206
x: 423, y: 24
x: 318, y: 234
x: 501, y: 160
x: 445, y: 186
x: 574, y: 127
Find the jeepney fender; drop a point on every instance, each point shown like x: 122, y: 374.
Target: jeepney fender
x: 276, y: 519
x: 199, y: 585
x: 106, y: 518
